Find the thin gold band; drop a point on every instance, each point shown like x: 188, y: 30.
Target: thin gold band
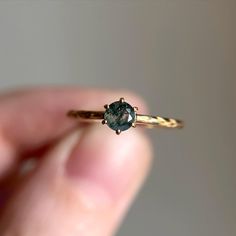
x: 143, y: 120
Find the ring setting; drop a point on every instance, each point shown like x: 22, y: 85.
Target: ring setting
x: 120, y: 116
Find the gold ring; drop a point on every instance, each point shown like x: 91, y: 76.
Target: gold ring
x: 120, y: 116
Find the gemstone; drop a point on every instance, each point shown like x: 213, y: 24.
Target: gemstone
x: 120, y: 115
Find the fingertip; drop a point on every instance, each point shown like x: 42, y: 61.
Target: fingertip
x: 108, y: 161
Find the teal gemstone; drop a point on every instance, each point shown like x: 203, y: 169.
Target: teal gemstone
x: 120, y: 115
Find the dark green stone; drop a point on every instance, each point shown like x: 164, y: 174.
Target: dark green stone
x: 120, y: 116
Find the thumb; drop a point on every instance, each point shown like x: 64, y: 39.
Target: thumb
x: 82, y: 186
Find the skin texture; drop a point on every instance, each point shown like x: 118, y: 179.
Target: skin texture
x: 82, y: 178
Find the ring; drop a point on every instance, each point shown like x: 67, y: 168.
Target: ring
x: 120, y: 116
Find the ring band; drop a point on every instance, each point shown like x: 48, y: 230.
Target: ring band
x: 120, y: 116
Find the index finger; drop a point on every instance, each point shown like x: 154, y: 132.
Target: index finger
x: 32, y: 118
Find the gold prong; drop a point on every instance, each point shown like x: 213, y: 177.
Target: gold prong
x: 135, y: 108
x: 122, y: 100
x: 106, y: 106
x: 118, y: 131
x: 104, y: 122
x: 134, y: 125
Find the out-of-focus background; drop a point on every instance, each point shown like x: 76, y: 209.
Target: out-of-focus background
x: 180, y: 55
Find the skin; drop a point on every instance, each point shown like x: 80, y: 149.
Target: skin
x: 83, y: 177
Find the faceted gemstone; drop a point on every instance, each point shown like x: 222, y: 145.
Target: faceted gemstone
x: 120, y: 115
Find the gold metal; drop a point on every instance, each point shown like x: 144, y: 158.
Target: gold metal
x: 142, y: 120
x: 104, y: 122
x: 118, y: 132
x: 87, y: 115
x: 122, y: 100
x: 158, y: 121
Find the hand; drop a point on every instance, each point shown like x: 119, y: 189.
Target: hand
x: 84, y: 178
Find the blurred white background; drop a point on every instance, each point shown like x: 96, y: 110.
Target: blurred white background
x: 180, y: 55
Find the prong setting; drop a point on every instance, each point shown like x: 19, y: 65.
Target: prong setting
x: 122, y: 100
x: 134, y: 125
x: 118, y: 131
x: 104, y: 122
x: 119, y: 115
x: 106, y: 106
x: 135, y: 108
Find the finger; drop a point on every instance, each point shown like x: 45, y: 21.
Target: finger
x: 83, y: 186
x: 31, y: 119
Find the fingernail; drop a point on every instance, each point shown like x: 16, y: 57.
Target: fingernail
x: 103, y: 164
